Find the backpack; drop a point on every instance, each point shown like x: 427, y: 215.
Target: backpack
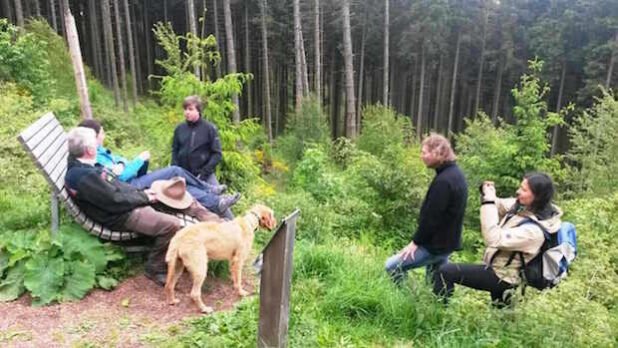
x: 552, y: 263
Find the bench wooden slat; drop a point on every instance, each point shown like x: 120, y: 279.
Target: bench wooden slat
x: 46, y: 140
x: 45, y: 154
x: 36, y: 126
x: 59, y: 165
x: 39, y: 136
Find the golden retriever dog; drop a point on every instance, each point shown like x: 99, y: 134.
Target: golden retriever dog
x: 193, y: 246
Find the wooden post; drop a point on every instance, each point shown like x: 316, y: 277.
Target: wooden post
x: 276, y: 278
x: 54, y: 213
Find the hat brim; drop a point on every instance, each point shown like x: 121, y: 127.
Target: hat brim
x: 183, y: 203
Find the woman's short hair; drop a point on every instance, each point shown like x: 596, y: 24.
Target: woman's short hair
x: 92, y: 124
x: 193, y: 100
x: 440, y: 147
x: 543, y: 190
x: 79, y: 139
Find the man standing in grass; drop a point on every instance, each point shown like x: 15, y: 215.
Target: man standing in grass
x: 441, y: 217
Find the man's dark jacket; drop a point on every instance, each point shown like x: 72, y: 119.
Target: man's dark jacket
x: 441, y: 217
x: 100, y: 196
x: 196, y: 147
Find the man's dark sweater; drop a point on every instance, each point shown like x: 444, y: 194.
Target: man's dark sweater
x: 100, y: 196
x: 441, y: 218
x: 196, y: 147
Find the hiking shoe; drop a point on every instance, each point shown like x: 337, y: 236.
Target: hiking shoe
x: 218, y: 189
x: 227, y: 201
x: 158, y: 278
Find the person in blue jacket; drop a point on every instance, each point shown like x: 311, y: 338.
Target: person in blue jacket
x: 134, y: 173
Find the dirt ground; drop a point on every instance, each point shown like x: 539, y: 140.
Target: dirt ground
x: 132, y: 315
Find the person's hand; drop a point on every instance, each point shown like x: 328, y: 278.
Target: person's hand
x: 408, y: 251
x: 489, y: 191
x: 118, y: 168
x: 152, y: 196
x: 145, y: 156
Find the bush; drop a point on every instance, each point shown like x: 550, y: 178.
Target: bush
x: 594, y: 149
x: 382, y: 128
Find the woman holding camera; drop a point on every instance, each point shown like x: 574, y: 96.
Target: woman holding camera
x: 508, y: 226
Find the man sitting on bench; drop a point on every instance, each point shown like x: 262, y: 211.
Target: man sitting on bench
x: 134, y: 173
x: 119, y: 206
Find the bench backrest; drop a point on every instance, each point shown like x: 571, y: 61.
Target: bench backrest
x: 46, y: 143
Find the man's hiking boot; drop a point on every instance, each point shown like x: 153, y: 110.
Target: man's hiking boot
x: 227, y: 201
x: 158, y: 277
x: 218, y: 189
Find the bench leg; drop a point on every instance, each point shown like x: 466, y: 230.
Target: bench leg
x: 54, y: 213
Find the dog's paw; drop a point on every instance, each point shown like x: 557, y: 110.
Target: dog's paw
x: 174, y: 302
x: 242, y: 292
x: 207, y: 310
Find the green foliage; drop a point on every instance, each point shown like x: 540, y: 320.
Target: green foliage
x: 62, y: 268
x: 594, y: 149
x: 382, y: 128
x: 307, y: 127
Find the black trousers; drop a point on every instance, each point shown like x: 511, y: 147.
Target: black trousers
x: 473, y: 276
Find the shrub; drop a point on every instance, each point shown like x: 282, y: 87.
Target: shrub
x: 594, y: 149
x: 382, y: 128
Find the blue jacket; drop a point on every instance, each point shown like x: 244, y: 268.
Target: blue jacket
x: 107, y: 159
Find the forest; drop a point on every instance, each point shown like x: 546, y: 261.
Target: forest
x: 321, y: 106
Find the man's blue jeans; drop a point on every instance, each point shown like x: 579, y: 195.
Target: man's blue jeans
x: 200, y: 190
x: 398, y: 268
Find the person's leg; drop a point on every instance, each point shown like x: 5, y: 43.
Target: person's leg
x: 145, y: 181
x: 143, y: 170
x: 162, y: 228
x: 211, y: 179
x: 433, y: 266
x: 397, y: 268
x: 473, y: 276
x: 207, y: 199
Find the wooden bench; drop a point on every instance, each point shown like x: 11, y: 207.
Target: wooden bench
x: 46, y: 143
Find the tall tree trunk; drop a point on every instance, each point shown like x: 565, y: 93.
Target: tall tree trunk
x: 266, y: 73
x: 19, y: 13
x: 436, y: 110
x: 6, y: 10
x: 217, y: 35
x: 148, y: 40
x: 554, y: 138
x: 138, y: 57
x: 248, y: 63
x: 127, y: 16
x: 52, y: 10
x: 361, y: 73
x: 318, y: 67
x: 612, y: 61
x: 193, y: 29
x: 231, y: 54
x: 78, y: 65
x: 94, y: 38
x: 123, y: 75
x: 349, y: 73
x: 303, y: 61
x: 37, y: 9
x: 494, y: 109
x: 479, y: 77
x: 413, y: 98
x: 27, y: 10
x: 109, y: 47
x: 297, y: 52
x: 386, y: 55
x: 419, y: 117
x: 453, y: 84
x: 62, y: 26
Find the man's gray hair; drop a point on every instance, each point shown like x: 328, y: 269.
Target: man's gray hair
x: 79, y: 139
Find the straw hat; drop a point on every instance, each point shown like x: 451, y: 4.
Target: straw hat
x: 172, y: 192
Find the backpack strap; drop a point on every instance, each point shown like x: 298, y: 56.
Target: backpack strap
x: 514, y: 253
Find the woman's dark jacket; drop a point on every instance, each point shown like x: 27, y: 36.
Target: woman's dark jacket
x: 441, y: 218
x: 196, y: 147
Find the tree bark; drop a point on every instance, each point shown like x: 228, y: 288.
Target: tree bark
x: 123, y: 75
x: 436, y: 111
x: 231, y: 54
x: 19, y: 13
x: 419, y: 117
x: 612, y: 61
x: 479, y: 77
x: 554, y: 138
x: 453, y: 84
x: 193, y: 29
x: 94, y: 38
x: 494, y: 109
x: 78, y: 65
x: 318, y: 66
x: 266, y: 74
x: 165, y: 11
x: 148, y: 40
x: 6, y: 10
x: 109, y: 47
x: 127, y: 16
x: 297, y: 60
x: 217, y: 35
x: 248, y: 63
x: 386, y: 55
x: 349, y: 72
x: 37, y: 9
x: 52, y: 10
x: 361, y: 73
x: 303, y: 62
x: 138, y: 56
x: 62, y: 26
x: 413, y: 98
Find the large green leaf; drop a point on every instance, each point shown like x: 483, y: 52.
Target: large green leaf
x: 44, y: 278
x: 13, y: 285
x: 78, y: 280
x: 77, y: 244
x: 106, y: 283
x: 4, y: 262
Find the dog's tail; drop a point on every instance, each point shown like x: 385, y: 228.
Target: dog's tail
x: 171, y: 258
